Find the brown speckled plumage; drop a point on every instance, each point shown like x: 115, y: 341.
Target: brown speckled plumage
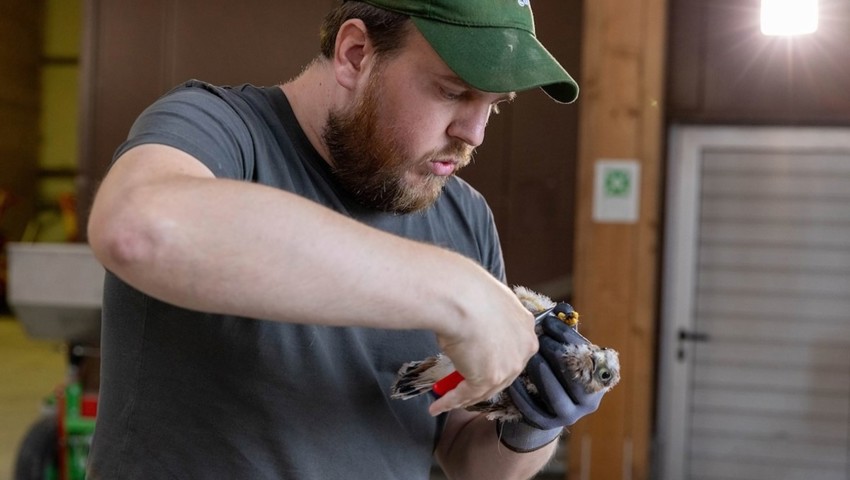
x: 592, y: 366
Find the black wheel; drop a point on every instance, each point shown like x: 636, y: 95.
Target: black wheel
x: 37, y: 454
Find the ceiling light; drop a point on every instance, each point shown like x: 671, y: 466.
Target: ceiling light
x: 789, y: 17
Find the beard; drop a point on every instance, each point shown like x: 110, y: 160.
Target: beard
x: 371, y: 161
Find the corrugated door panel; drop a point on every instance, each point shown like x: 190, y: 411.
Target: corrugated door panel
x: 711, y: 468
x: 740, y: 425
x: 731, y: 350
x: 771, y: 386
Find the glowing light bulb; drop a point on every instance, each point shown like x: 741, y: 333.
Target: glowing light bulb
x: 789, y: 17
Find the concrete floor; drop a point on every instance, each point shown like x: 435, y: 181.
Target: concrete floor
x: 29, y: 371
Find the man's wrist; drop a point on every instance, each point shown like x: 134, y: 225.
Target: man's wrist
x: 522, y: 437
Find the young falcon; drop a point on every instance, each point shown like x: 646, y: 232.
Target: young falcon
x: 595, y: 368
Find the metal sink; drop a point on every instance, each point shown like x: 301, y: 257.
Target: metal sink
x: 55, y: 290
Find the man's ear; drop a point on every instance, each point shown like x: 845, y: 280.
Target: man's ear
x: 352, y: 53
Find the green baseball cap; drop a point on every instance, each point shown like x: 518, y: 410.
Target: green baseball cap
x: 490, y: 44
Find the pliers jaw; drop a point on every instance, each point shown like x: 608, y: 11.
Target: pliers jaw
x: 563, y: 311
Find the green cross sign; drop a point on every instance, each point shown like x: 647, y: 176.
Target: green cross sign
x: 617, y: 183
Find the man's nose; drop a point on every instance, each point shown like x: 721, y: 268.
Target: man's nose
x: 470, y: 124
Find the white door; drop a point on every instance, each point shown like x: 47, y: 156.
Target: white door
x: 755, y: 351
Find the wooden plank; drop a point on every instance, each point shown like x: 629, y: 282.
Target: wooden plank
x: 20, y: 128
x: 616, y: 265
x: 20, y: 53
x: 20, y: 28
x: 19, y: 75
x: 20, y: 43
x: 63, y: 25
x: 59, y: 148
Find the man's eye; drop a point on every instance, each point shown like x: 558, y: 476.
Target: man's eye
x: 450, y: 95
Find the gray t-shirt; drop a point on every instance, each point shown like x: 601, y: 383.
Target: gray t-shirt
x: 186, y: 394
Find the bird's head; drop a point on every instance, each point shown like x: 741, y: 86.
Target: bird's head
x: 606, y: 369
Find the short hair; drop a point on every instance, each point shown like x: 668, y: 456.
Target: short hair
x: 386, y: 29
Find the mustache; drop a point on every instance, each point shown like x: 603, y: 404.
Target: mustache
x: 458, y: 150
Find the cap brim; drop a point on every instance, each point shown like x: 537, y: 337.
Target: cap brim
x: 494, y: 59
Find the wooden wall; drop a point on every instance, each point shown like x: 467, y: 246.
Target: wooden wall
x: 526, y: 167
x: 616, y: 264
x: 20, y: 57
x: 133, y: 52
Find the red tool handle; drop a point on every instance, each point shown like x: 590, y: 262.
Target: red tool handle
x: 447, y: 383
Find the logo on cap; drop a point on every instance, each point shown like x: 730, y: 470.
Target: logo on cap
x: 523, y: 3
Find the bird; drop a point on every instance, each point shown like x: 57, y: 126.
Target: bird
x: 595, y: 368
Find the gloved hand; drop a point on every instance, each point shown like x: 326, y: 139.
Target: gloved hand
x: 560, y: 401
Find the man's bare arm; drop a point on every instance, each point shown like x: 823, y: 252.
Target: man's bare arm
x: 469, y: 448
x: 165, y: 225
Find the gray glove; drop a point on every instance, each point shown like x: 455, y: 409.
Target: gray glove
x: 559, y: 401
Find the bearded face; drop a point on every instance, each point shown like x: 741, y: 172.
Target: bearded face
x: 372, y: 161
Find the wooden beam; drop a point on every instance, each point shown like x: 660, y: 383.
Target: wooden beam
x: 20, y: 52
x: 617, y: 264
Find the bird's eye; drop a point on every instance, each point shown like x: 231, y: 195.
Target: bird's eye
x: 604, y: 374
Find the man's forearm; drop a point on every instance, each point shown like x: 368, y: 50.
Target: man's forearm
x: 470, y: 449
x: 163, y: 224
x: 230, y: 247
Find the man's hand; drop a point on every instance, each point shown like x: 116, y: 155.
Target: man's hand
x: 560, y: 400
x: 489, y: 347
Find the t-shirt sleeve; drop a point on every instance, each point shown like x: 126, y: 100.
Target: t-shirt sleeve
x: 201, y: 120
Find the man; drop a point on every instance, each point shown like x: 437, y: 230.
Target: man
x: 275, y: 255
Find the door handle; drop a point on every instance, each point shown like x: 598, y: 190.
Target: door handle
x: 689, y: 336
